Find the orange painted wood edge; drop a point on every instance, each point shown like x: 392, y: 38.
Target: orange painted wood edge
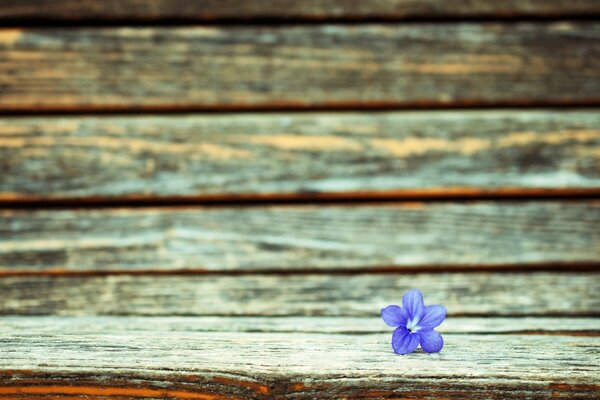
x: 450, y: 193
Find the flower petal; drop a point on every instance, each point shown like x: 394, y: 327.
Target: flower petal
x: 432, y: 316
x: 404, y: 342
x: 413, y: 303
x: 431, y: 341
x: 394, y: 316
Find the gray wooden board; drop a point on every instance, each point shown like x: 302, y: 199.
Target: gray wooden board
x: 209, y: 10
x: 409, y: 236
x: 85, y: 325
x: 250, y: 67
x: 470, y: 294
x: 403, y: 153
x: 291, y: 365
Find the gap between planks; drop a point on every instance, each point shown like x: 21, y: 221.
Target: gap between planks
x: 261, y: 11
x: 292, y: 21
x: 429, y: 195
x: 178, y: 110
x: 296, y: 107
x: 564, y: 267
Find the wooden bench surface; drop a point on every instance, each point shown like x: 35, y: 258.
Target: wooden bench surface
x: 214, y: 199
x: 308, y: 155
x: 312, y: 357
x: 310, y: 66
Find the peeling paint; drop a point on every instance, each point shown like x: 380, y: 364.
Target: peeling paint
x: 293, y: 142
x: 419, y: 146
x: 10, y: 37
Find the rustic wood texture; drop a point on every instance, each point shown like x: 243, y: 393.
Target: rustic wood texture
x: 300, y: 66
x: 298, y: 154
x: 473, y: 294
x: 409, y: 236
x: 85, y: 325
x: 210, y: 365
x: 209, y: 10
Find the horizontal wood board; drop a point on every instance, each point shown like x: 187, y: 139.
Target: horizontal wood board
x: 408, y: 236
x: 89, y: 325
x: 211, y: 365
x: 209, y: 10
x: 475, y: 294
x: 261, y: 67
x: 314, y: 154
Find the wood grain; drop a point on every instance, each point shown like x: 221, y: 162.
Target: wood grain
x: 402, y: 236
x: 473, y: 294
x: 119, y: 325
x: 203, y: 156
x: 262, y: 67
x: 211, y: 365
x: 209, y: 10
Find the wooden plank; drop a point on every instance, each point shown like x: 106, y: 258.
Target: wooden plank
x: 86, y: 325
x: 215, y: 365
x: 291, y: 154
x: 394, y: 236
x: 209, y: 10
x: 253, y: 67
x: 471, y: 294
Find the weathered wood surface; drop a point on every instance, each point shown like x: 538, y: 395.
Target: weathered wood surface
x: 85, y: 325
x: 130, y: 363
x: 300, y: 66
x: 209, y: 10
x: 298, y: 154
x: 406, y: 236
x: 472, y: 294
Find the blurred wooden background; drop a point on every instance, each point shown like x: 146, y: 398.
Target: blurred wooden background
x: 213, y: 199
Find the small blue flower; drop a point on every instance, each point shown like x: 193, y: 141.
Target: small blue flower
x: 414, y: 323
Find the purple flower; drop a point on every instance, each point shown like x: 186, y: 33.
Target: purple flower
x: 414, y: 323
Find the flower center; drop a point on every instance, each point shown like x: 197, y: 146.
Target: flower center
x: 412, y: 326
